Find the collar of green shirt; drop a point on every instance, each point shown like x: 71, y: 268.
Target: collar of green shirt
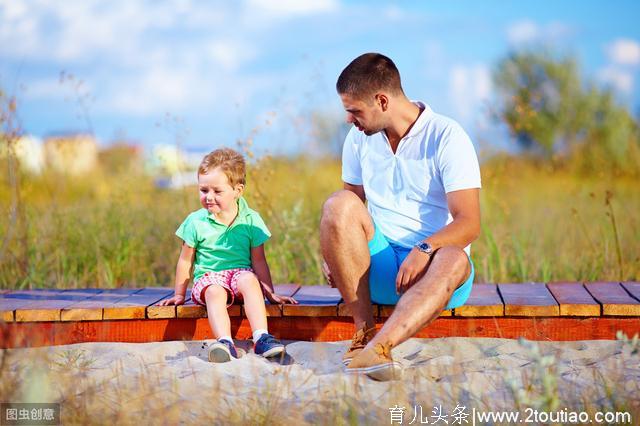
x: 243, y: 211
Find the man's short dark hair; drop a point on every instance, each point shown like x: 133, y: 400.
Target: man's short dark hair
x: 368, y: 74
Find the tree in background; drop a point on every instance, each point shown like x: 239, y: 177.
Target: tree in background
x: 553, y: 114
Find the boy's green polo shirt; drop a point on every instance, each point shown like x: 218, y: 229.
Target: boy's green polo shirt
x: 220, y: 247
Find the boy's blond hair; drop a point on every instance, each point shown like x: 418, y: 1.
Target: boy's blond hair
x: 230, y: 162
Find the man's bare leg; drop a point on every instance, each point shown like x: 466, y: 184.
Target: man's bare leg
x: 427, y: 298
x: 345, y: 229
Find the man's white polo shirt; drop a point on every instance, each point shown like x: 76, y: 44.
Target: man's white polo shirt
x: 406, y: 191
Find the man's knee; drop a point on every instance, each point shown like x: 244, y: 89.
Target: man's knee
x: 456, y: 260
x: 339, y: 207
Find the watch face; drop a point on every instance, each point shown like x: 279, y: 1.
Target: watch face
x: 424, y: 247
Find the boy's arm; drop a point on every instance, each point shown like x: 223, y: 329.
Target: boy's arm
x: 183, y: 276
x: 261, y: 269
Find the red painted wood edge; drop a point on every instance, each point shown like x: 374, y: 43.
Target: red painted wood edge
x: 14, y: 335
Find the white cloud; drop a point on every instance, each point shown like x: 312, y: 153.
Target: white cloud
x: 229, y: 53
x: 620, y: 79
x: 159, y: 90
x: 624, y: 52
x: 46, y: 88
x: 527, y: 31
x: 522, y: 32
x: 288, y: 8
x: 469, y: 86
x: 394, y: 13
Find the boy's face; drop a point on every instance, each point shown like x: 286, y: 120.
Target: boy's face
x: 216, y: 193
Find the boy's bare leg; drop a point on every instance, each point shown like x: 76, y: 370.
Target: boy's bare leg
x: 345, y: 229
x: 216, y: 299
x: 427, y: 298
x: 254, y: 308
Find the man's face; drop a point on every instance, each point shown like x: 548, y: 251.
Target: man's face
x: 366, y: 116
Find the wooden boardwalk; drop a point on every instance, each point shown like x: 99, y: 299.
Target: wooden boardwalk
x: 536, y: 311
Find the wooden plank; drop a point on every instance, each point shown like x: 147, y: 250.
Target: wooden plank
x: 574, y: 299
x: 135, y: 305
x: 344, y: 312
x: 25, y: 334
x: 91, y: 309
x: 614, y: 299
x: 274, y: 310
x: 385, y: 311
x: 45, y: 305
x: 7, y: 316
x: 528, y: 299
x: 484, y: 301
x: 633, y: 288
x: 316, y: 300
x: 191, y: 310
x: 162, y: 312
x: 8, y: 307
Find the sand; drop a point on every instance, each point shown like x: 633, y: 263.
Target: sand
x: 172, y: 382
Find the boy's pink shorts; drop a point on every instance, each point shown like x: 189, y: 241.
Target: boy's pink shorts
x: 227, y: 279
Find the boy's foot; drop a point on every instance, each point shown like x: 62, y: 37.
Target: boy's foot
x: 222, y: 351
x: 358, y: 342
x: 376, y: 363
x: 268, y: 346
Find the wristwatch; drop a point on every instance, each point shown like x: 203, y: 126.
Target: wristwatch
x: 424, y: 247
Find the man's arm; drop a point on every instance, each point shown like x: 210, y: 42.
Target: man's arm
x: 356, y: 189
x: 464, y: 206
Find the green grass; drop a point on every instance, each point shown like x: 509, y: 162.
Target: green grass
x: 117, y: 229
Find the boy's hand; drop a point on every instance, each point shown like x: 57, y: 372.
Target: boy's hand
x: 175, y: 300
x: 280, y: 300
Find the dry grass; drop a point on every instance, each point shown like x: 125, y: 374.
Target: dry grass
x: 117, y: 229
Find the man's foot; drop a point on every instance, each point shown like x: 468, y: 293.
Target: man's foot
x: 268, y: 346
x: 222, y: 351
x: 358, y: 342
x: 376, y: 363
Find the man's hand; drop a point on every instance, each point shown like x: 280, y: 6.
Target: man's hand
x: 175, y: 300
x: 327, y: 274
x: 413, y: 267
x: 280, y: 300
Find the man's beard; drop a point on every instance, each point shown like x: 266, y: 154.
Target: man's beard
x: 371, y: 132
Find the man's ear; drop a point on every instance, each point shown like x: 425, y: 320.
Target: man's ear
x: 383, y: 101
x: 240, y: 189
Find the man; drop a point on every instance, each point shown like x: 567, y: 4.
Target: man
x: 409, y: 246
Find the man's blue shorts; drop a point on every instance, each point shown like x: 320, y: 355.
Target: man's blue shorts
x: 386, y: 258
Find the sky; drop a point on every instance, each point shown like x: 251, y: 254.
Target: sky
x: 207, y: 74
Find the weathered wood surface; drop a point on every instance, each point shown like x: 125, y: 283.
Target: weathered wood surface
x: 314, y: 301
x: 528, y: 299
x: 484, y: 301
x: 323, y: 328
x: 614, y: 299
x: 557, y: 311
x: 574, y: 299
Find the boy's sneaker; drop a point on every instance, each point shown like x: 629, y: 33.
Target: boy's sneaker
x: 268, y: 346
x: 222, y: 351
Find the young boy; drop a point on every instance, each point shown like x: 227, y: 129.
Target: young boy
x: 224, y: 243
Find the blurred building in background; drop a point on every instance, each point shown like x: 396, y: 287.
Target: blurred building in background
x: 27, y: 150
x: 72, y: 154
x: 122, y: 156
